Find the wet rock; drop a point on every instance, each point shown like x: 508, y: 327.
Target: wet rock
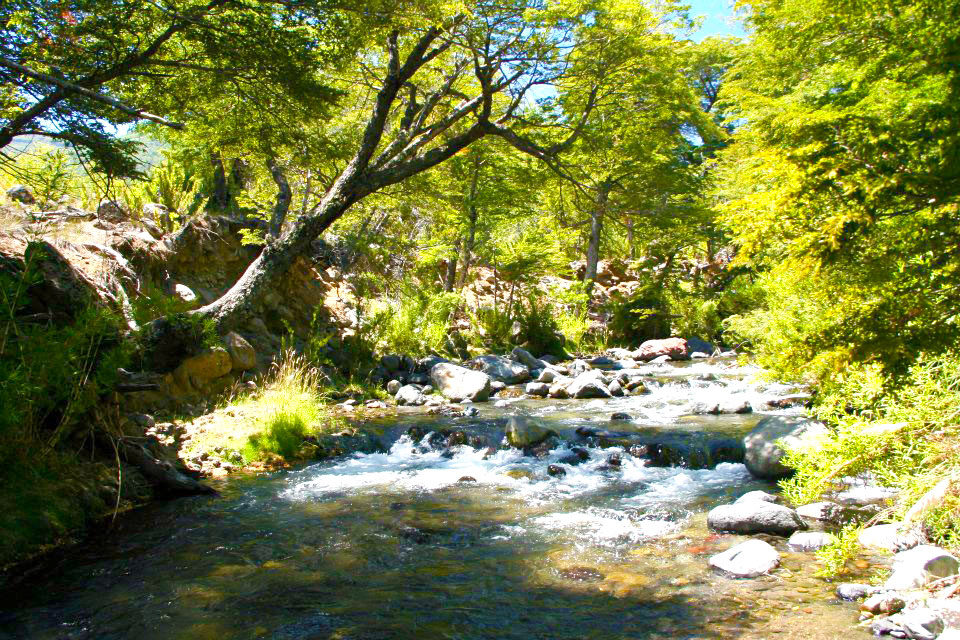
x: 828, y: 511
x: 581, y: 574
x: 755, y: 516
x: 519, y: 474
x: 501, y: 368
x: 466, y: 479
x: 539, y: 389
x: 885, y: 603
x: 576, y: 456
x: 636, y: 386
x: 854, y: 591
x: 413, y: 534
x: 458, y: 383
x: 242, y: 354
x: 393, y: 387
x: 621, y: 416
x: 601, y: 362
x: 674, y: 348
x: 789, y: 401
x: 809, y: 540
x: 22, y: 194
x: 411, y: 396
x: 913, y: 569
x: 763, y: 496
x: 614, y: 460
x: 615, y: 389
x: 588, y: 384
x: 556, y: 470
x: 747, y: 560
x: 763, y: 453
x: 547, y: 376
x: 523, y: 432
x: 558, y: 389
x: 639, y: 451
x: 916, y: 624
x: 497, y: 386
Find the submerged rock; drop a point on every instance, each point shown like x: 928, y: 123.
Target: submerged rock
x: 523, y: 432
x: 556, y: 470
x: 763, y: 452
x: 459, y: 383
x: 755, y: 516
x: 747, y: 560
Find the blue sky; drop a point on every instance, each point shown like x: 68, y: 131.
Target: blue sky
x: 718, y: 18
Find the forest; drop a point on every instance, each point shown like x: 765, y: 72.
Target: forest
x: 340, y: 190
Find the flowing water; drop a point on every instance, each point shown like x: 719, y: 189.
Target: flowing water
x: 420, y: 542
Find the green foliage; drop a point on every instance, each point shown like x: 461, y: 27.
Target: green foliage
x: 835, y: 557
x: 153, y: 303
x: 289, y: 408
x: 415, y: 322
x: 641, y: 316
x: 50, y: 374
x: 903, y: 431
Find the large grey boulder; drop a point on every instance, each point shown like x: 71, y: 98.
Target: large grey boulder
x: 755, y: 516
x: 914, y: 568
x: 459, y: 383
x: 747, y: 560
x: 763, y: 444
x: 500, y: 368
x: 523, y: 432
x: 526, y: 358
x: 588, y: 384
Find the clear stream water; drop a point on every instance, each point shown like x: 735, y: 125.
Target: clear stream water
x: 395, y: 545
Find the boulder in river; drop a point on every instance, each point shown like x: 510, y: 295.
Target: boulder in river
x: 673, y: 348
x: 747, y: 560
x: 459, y: 383
x: 523, y: 432
x: 411, y: 396
x: 763, y: 451
x: 755, y: 516
x: 917, y: 624
x: 913, y: 569
x: 763, y: 496
x: 854, y: 591
x: 588, y: 384
x: 810, y: 540
x: 539, y: 389
x: 501, y: 368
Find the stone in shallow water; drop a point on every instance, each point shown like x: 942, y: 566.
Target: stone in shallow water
x: 763, y: 452
x: 915, y: 568
x: 917, y: 624
x: 755, y: 516
x: 747, y: 560
x: 581, y: 574
x: 758, y: 495
x: 820, y: 511
x: 809, y: 540
x: 523, y: 432
x: 880, y: 536
x: 854, y: 591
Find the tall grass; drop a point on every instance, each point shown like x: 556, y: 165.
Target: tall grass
x: 289, y: 409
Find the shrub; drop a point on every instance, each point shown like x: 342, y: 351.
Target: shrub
x: 415, y: 322
x: 902, y: 430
